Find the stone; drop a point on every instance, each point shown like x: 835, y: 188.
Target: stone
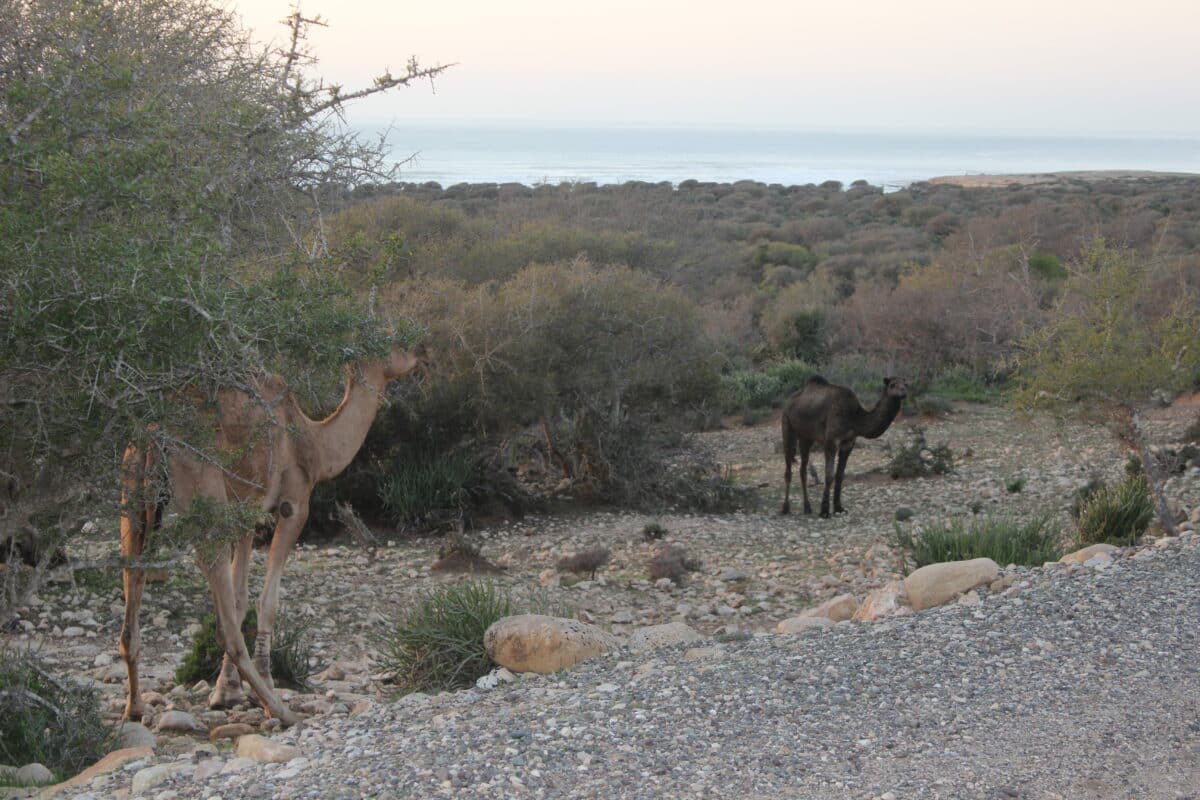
x: 662, y: 635
x: 134, y: 734
x: 73, y: 631
x: 230, y: 730
x: 239, y: 764
x: 494, y: 678
x: 1003, y: 582
x: 937, y: 584
x: 260, y: 748
x: 103, y: 660
x: 837, y: 609
x: 334, y: 672
x: 208, y: 768
x: 33, y: 775
x: 176, y: 722
x: 110, y: 763
x: 731, y: 574
x: 883, y: 602
x: 699, y: 653
x: 146, y: 779
x: 1088, y: 553
x: 539, y: 643
x: 904, y: 514
x: 803, y: 623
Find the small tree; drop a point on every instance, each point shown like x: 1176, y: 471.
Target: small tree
x: 1110, y: 344
x: 161, y: 176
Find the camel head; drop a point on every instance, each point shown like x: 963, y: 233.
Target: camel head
x: 401, y: 361
x: 895, y: 387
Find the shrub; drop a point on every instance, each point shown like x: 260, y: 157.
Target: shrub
x: 672, y: 562
x: 915, y: 458
x: 1047, y: 266
x: 757, y: 389
x: 653, y: 531
x: 964, y: 385
x: 1117, y: 515
x: 53, y: 722
x: 290, y: 652
x: 439, y: 644
x: 427, y: 487
x: 1004, y: 540
x: 1083, y: 494
x: 587, y: 561
x: 1014, y: 485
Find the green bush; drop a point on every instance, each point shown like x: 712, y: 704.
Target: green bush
x: 962, y: 384
x: 428, y: 486
x: 290, y: 652
x: 439, y: 644
x: 916, y: 458
x: 1014, y: 485
x: 757, y: 389
x: 1116, y: 515
x: 1083, y: 494
x: 1047, y: 266
x: 48, y: 720
x: 1004, y: 540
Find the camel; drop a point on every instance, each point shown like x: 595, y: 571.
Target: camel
x: 830, y: 415
x: 268, y: 452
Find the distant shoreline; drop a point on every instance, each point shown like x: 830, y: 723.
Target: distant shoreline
x: 1047, y: 178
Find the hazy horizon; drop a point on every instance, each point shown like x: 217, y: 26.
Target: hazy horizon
x: 1019, y: 67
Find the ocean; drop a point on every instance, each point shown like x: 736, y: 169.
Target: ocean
x: 450, y: 155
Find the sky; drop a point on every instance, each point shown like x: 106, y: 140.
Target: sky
x: 1054, y: 67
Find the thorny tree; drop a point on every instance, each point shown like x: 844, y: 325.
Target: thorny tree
x: 163, y: 180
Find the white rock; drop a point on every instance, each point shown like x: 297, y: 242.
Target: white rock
x: 73, y: 631
x: 260, y: 748
x: 146, y: 779
x: 176, y: 722
x: 1082, y: 556
x: 662, y: 635
x: 937, y: 584
x: 494, y: 678
x: 803, y: 623
x: 33, y: 775
x: 884, y: 601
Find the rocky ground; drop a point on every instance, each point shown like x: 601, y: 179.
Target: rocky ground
x: 1072, y: 682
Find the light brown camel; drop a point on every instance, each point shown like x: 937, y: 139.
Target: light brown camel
x: 270, y: 453
x: 831, y: 416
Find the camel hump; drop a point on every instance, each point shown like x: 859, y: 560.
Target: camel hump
x: 819, y: 380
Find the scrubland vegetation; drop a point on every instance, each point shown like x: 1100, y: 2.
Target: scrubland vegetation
x: 592, y: 325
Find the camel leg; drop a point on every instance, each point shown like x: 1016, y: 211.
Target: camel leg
x: 227, y: 692
x: 805, y: 449
x: 789, y: 455
x: 292, y: 515
x: 830, y: 458
x: 843, y: 457
x: 220, y: 584
x: 136, y: 519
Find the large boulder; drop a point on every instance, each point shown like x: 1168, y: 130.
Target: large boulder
x: 1088, y: 553
x: 802, y: 623
x: 662, y: 635
x: 937, y: 584
x: 883, y: 602
x: 837, y: 609
x: 538, y: 643
x: 260, y: 748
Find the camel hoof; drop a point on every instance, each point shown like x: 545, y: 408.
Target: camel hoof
x: 288, y: 718
x: 133, y: 713
x: 824, y: 513
x: 225, y: 698
x: 785, y: 510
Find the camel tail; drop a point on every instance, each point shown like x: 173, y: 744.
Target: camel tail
x: 789, y: 440
x: 820, y: 380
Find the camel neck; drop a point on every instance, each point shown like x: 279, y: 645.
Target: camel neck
x: 340, y: 435
x: 874, y: 423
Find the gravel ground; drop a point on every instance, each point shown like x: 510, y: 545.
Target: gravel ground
x: 1073, y: 683
x: 1076, y: 682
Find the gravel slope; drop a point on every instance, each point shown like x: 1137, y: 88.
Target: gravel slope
x: 1074, y: 683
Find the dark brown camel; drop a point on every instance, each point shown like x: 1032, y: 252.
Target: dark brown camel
x: 831, y: 416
